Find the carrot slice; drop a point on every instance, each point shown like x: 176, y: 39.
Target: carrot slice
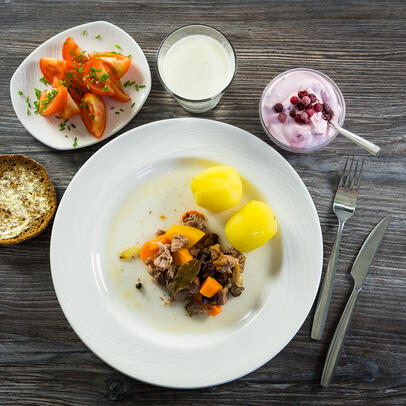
x: 150, y: 248
x: 213, y: 310
x: 210, y: 287
x: 182, y: 256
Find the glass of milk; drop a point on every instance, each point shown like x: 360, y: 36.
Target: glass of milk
x: 196, y: 64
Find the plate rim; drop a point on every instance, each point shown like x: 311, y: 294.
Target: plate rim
x: 96, y: 140
x: 246, y: 371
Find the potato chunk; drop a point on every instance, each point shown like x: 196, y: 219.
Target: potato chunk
x: 217, y: 188
x: 251, y: 226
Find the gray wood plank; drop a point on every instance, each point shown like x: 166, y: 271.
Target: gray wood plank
x: 362, y: 46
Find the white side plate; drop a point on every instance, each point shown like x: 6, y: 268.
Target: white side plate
x: 26, y: 78
x: 125, y: 329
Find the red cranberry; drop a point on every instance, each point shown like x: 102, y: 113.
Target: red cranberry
x: 302, y: 93
x: 301, y: 118
x: 309, y: 112
x: 282, y: 117
x: 294, y: 100
x: 304, y: 116
x: 318, y: 107
x: 278, y: 107
x: 292, y: 113
x: 298, y: 119
x: 306, y: 100
x: 300, y: 106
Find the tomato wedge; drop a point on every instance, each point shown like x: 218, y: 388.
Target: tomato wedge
x: 97, y: 79
x: 74, y: 81
x: 52, y: 101
x: 93, y: 112
x: 71, y: 109
x: 119, y: 92
x: 52, y: 67
x: 72, y: 52
x: 119, y: 63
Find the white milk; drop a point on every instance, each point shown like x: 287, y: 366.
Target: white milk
x: 197, y: 67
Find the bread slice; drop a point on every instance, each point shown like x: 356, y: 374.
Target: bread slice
x: 27, y: 198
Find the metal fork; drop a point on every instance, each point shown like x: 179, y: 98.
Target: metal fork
x: 343, y: 207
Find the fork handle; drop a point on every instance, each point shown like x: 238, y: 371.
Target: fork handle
x: 323, y: 302
x: 336, y: 344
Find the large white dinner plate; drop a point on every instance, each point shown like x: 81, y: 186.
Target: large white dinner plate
x: 27, y: 75
x: 143, y: 165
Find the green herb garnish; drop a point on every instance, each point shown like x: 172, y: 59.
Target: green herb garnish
x: 44, y: 81
x: 133, y: 105
x: 75, y: 143
x: 84, y: 32
x: 117, y: 46
x: 186, y: 273
x: 20, y: 92
x: 98, y: 36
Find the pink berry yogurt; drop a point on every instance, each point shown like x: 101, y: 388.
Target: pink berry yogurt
x: 295, y: 108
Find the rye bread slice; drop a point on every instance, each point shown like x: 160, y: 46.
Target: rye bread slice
x: 13, y: 166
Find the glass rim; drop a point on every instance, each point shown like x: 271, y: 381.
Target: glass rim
x: 317, y: 147
x: 185, y: 98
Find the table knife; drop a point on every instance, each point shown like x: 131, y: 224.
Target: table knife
x: 358, y: 272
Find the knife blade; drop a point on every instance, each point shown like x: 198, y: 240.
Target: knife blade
x: 367, y: 252
x: 358, y: 272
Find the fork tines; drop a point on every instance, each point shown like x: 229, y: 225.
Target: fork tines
x: 351, y: 179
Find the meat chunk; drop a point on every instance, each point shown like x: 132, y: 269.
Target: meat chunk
x: 178, y: 241
x: 236, y: 282
x: 221, y: 297
x: 236, y: 254
x: 188, y: 291
x: 215, y: 252
x: 225, y: 263
x: 195, y: 250
x: 194, y: 219
x: 194, y: 307
x: 164, y: 259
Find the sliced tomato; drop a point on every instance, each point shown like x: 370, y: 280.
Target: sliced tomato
x: 52, y: 101
x: 72, y: 52
x: 97, y: 79
x: 119, y: 63
x: 119, y: 92
x: 73, y: 80
x: 52, y: 67
x: 93, y: 112
x: 71, y: 109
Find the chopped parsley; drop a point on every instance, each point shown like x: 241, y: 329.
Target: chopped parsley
x: 37, y: 93
x: 117, y: 46
x: 132, y: 105
x: 75, y: 142
x: 28, y: 111
x: 137, y: 87
x: 84, y: 32
x: 129, y: 56
x: 112, y: 108
x: 122, y: 110
x: 105, y: 89
x: 44, y: 81
x: 117, y: 112
x: 73, y: 125
x: 98, y: 36
x: 20, y: 92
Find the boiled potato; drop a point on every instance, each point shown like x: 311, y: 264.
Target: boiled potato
x: 251, y: 226
x: 217, y: 188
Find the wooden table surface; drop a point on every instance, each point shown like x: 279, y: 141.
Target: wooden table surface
x: 362, y: 46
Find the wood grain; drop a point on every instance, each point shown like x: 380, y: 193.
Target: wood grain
x: 362, y: 46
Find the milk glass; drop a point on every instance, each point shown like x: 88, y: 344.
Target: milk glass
x: 196, y: 105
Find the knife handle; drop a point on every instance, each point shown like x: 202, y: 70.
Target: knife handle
x: 336, y: 344
x: 323, y: 302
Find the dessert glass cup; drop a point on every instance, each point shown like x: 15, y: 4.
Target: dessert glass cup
x: 339, y: 121
x: 195, y: 105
